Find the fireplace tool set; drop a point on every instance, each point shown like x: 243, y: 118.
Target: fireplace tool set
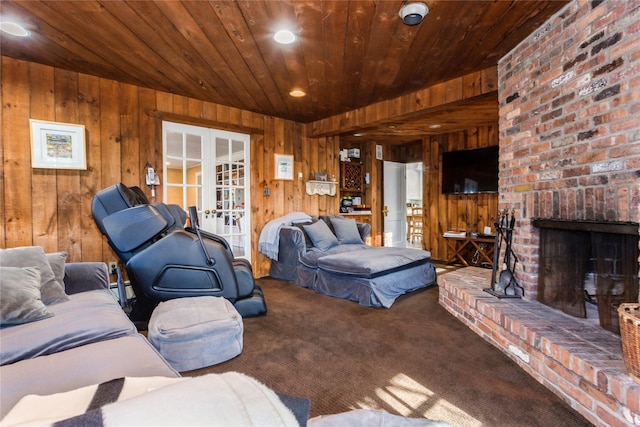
x: 504, y: 284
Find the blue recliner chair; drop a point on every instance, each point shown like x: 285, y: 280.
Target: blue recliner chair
x: 165, y: 260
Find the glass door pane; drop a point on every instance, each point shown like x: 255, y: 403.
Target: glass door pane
x: 207, y: 168
x: 183, y: 158
x: 229, y: 189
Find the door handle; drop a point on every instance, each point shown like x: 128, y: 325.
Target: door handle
x: 385, y: 211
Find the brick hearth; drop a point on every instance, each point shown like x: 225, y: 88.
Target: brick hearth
x: 575, y: 358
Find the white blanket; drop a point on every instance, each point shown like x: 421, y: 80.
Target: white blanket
x: 269, y: 242
x: 229, y: 399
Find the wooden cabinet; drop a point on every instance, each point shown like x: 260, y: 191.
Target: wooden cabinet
x: 365, y: 218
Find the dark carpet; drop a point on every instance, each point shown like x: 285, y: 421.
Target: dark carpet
x: 414, y: 359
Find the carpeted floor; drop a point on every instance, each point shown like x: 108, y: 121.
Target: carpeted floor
x: 414, y: 360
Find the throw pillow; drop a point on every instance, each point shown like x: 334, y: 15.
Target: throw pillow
x: 328, y: 218
x: 56, y: 262
x: 307, y: 241
x: 321, y: 235
x: 346, y: 230
x: 33, y: 256
x: 20, y: 296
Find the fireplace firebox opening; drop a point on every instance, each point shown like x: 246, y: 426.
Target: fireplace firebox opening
x: 588, y: 267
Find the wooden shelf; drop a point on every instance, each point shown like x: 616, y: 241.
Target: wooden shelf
x: 483, y: 246
x: 321, y: 187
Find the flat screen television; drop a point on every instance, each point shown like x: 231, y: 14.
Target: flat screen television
x: 470, y: 171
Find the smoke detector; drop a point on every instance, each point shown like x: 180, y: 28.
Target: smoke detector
x: 413, y: 13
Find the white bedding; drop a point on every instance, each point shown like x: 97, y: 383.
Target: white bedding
x: 229, y: 399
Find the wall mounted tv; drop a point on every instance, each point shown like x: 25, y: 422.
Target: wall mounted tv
x: 470, y: 171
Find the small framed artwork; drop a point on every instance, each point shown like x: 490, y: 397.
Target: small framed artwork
x: 378, y: 152
x: 284, y: 166
x: 57, y: 145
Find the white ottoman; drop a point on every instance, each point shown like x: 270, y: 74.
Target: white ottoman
x: 192, y: 333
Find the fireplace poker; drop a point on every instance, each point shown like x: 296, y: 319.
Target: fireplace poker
x: 505, y: 275
x: 506, y: 267
x: 496, y: 252
x: 504, y: 217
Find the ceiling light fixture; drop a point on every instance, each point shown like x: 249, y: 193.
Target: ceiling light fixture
x: 413, y: 13
x: 435, y: 126
x: 14, y: 29
x: 284, y: 37
x: 297, y: 93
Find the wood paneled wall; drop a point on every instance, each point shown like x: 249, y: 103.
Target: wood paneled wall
x: 52, y: 208
x: 452, y: 211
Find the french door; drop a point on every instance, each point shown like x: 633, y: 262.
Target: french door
x: 209, y: 169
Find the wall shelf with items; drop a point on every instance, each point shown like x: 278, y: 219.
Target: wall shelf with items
x: 321, y: 187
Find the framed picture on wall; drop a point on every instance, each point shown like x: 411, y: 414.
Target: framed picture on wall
x: 284, y: 166
x: 57, y: 145
x: 378, y: 152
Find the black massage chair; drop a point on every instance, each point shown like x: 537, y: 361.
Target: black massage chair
x: 165, y: 260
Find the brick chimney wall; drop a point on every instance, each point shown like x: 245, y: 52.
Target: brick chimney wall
x: 569, y: 98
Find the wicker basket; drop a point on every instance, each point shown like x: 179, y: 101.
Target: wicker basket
x: 629, y: 315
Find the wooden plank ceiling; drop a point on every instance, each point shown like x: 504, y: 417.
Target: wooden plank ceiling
x: 349, y: 54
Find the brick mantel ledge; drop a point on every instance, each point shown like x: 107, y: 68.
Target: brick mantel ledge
x: 574, y: 358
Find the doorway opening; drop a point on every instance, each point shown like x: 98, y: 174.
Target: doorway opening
x: 415, y: 208
x: 403, y: 221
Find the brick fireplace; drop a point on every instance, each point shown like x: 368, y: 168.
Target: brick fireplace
x: 569, y: 99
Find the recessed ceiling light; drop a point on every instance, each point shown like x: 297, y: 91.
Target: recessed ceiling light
x: 297, y: 93
x: 435, y: 126
x: 13, y: 29
x: 284, y: 37
x: 358, y: 134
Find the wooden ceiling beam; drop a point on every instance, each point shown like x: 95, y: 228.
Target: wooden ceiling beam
x: 411, y: 106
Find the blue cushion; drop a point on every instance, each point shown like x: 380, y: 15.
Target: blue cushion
x: 307, y: 241
x: 20, y: 300
x: 321, y: 235
x: 373, y: 262
x: 346, y: 230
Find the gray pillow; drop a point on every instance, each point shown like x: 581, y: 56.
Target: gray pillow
x: 20, y: 296
x: 321, y: 235
x: 346, y: 230
x: 33, y: 256
x: 307, y: 241
x: 56, y: 262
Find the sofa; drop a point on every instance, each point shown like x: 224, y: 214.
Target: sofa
x: 328, y: 255
x: 69, y: 351
x: 80, y: 337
